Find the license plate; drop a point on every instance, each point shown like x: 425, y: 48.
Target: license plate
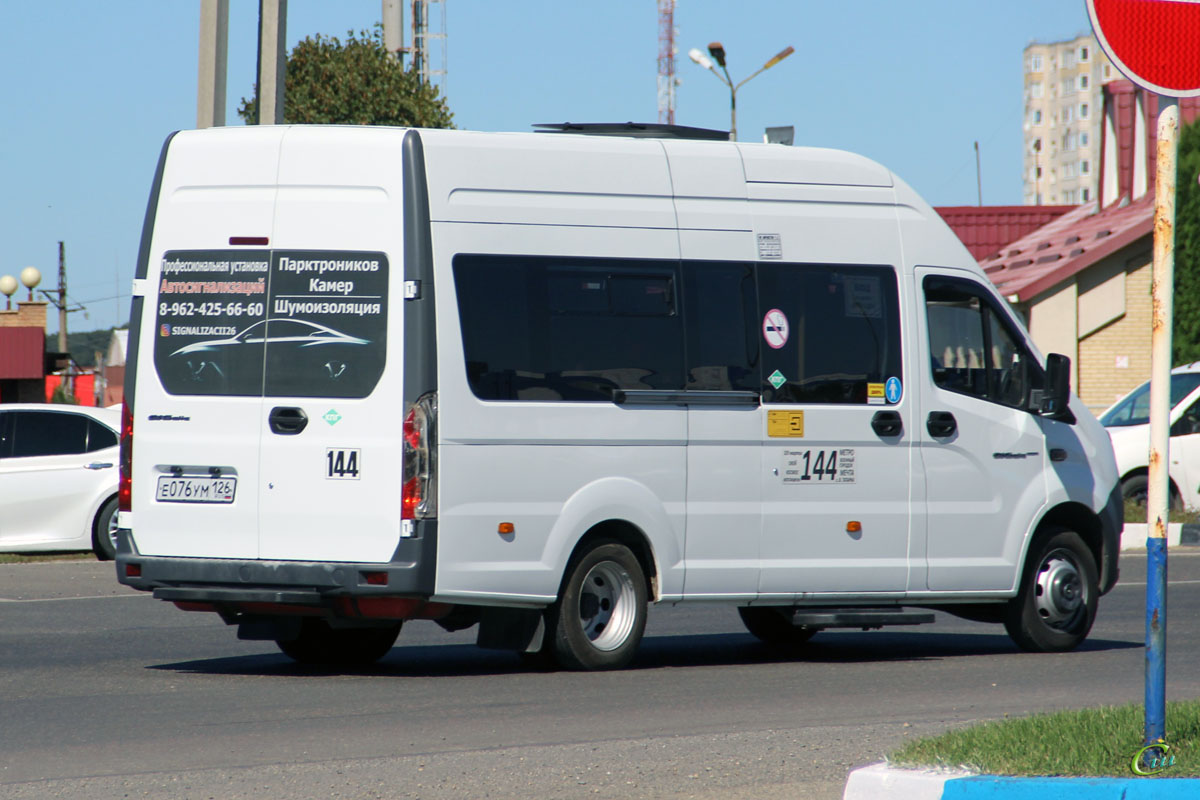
x: 204, y: 489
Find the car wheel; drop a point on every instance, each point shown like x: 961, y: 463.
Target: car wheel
x: 774, y: 626
x: 321, y: 645
x: 104, y: 531
x: 1058, y: 595
x: 600, y: 615
x: 1136, y: 488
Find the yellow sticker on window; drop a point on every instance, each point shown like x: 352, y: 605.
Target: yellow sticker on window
x: 875, y: 390
x: 785, y: 423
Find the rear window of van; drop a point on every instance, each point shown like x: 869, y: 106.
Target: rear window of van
x: 272, y: 323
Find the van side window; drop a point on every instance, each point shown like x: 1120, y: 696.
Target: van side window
x: 830, y: 332
x: 719, y: 309
x: 972, y: 347
x: 545, y: 329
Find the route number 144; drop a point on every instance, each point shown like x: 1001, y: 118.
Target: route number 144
x: 342, y: 464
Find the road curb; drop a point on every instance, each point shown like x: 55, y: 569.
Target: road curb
x: 1133, y: 535
x: 882, y: 782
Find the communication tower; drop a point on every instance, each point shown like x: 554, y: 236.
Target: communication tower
x: 666, y: 62
x: 429, y: 41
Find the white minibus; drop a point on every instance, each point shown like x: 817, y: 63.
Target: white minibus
x: 533, y: 382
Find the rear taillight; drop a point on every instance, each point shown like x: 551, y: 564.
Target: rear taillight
x: 125, y: 483
x: 418, y: 498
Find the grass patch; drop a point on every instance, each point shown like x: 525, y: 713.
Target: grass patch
x: 1095, y: 742
x: 1136, y: 512
x: 19, y: 558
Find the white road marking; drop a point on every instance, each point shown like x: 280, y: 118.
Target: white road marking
x: 62, y: 599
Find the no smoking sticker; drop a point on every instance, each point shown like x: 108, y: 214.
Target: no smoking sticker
x: 775, y: 328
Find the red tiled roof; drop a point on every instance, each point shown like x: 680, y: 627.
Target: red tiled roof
x: 986, y: 229
x: 1076, y: 240
x: 1045, y: 257
x: 22, y: 352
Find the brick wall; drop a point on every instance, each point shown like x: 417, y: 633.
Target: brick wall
x: 1116, y: 358
x: 27, y: 314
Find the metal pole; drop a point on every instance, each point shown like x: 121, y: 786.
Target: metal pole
x: 214, y: 48
x: 732, y: 113
x: 272, y: 60
x: 393, y: 29
x: 978, y: 174
x: 62, y: 298
x: 1160, y: 409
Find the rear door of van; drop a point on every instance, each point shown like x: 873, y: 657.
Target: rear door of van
x: 256, y: 437
x: 199, y: 386
x: 332, y: 415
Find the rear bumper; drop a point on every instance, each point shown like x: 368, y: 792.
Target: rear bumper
x: 410, y: 573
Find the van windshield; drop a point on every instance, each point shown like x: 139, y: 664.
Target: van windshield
x: 1135, y: 408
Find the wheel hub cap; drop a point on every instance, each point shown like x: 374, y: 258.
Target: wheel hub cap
x: 1060, y: 592
x: 607, y: 605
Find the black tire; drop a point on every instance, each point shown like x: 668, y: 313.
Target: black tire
x: 1136, y: 488
x: 1057, y: 599
x: 320, y: 645
x: 600, y: 615
x: 104, y: 531
x: 774, y: 626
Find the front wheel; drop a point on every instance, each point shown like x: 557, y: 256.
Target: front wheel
x: 320, y: 644
x: 1057, y: 599
x: 600, y: 615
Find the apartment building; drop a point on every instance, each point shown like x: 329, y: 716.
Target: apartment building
x: 1063, y: 119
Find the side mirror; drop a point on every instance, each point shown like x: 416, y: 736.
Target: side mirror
x: 1055, y: 398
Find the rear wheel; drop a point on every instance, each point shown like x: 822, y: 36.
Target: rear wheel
x: 774, y: 626
x: 600, y: 615
x: 320, y: 644
x: 104, y: 531
x: 1057, y: 599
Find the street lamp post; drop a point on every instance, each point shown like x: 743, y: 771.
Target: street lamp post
x: 717, y: 51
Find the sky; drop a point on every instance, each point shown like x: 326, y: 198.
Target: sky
x: 92, y: 89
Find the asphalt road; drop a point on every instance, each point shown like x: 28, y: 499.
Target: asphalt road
x: 105, y: 693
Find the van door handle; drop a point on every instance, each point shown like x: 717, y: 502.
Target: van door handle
x: 98, y: 465
x: 887, y: 423
x: 941, y: 424
x: 287, y: 421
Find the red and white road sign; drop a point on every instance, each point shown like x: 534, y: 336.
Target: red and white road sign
x: 1155, y: 43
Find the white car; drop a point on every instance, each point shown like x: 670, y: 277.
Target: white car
x: 1128, y: 424
x: 58, y: 478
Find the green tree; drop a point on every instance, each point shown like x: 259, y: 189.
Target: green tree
x: 62, y: 395
x: 356, y: 82
x: 1185, y: 335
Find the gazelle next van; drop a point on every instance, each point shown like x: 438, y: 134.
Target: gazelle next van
x: 534, y: 382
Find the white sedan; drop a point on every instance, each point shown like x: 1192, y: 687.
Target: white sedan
x: 58, y: 478
x: 1128, y: 424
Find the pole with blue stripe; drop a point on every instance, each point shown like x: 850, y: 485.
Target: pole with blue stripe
x: 1158, y: 495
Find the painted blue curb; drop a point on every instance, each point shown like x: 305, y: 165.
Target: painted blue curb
x: 881, y: 782
x: 992, y: 787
